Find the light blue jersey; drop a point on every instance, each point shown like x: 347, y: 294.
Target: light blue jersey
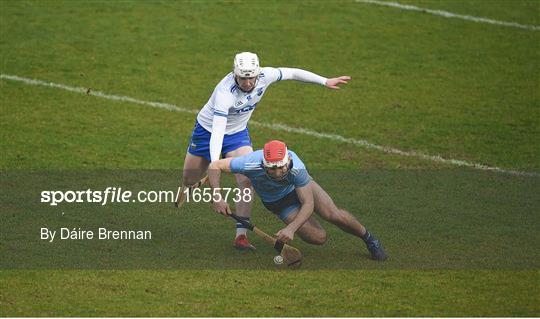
x: 251, y: 165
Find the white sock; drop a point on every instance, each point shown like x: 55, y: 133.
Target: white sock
x: 241, y: 229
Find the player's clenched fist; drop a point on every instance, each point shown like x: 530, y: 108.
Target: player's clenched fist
x: 222, y: 207
x: 285, y: 235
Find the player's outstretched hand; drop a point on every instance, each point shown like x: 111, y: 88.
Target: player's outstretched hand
x: 285, y: 235
x: 334, y: 82
x: 222, y: 207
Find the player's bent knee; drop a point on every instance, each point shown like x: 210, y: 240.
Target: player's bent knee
x: 318, y: 238
x: 321, y: 238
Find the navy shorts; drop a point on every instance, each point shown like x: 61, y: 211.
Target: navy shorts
x: 199, y: 144
x: 284, y: 206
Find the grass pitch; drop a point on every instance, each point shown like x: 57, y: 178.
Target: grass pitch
x: 462, y: 242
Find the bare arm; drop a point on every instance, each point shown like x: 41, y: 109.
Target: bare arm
x: 305, y: 195
x: 214, y: 177
x: 215, y: 169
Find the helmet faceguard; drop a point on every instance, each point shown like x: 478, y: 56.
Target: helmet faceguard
x: 276, y: 156
x: 246, y: 65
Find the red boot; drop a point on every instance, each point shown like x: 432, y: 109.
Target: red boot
x: 241, y: 243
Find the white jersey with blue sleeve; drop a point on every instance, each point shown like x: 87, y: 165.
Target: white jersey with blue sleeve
x: 229, y: 101
x: 269, y: 190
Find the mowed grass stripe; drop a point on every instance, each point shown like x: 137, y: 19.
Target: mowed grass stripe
x: 270, y: 293
x: 276, y: 126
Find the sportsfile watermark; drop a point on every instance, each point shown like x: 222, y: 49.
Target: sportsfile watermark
x: 131, y: 219
x: 111, y: 195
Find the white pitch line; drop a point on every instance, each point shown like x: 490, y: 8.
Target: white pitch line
x: 278, y: 127
x: 88, y: 91
x: 447, y: 14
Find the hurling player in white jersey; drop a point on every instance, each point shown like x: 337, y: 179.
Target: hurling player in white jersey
x: 281, y: 180
x: 221, y: 126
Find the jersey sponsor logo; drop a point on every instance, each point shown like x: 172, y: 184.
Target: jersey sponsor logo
x: 246, y: 109
x: 249, y: 97
x: 260, y: 91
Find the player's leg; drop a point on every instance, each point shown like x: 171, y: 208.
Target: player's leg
x: 197, y: 156
x: 243, y: 207
x: 311, y: 231
x: 325, y: 207
x: 287, y: 209
x: 194, y: 169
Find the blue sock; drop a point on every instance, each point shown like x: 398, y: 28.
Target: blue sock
x: 367, y: 236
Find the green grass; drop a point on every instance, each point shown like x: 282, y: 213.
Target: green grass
x: 465, y: 92
x: 462, y: 242
x: 271, y: 293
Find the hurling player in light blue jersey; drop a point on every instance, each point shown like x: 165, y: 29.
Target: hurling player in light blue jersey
x: 221, y: 126
x: 282, y: 182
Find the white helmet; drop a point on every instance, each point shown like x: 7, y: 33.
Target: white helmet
x: 246, y: 65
